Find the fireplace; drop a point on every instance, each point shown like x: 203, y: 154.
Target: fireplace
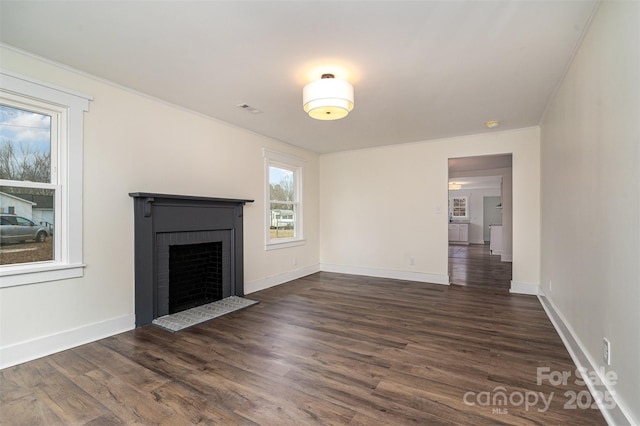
x: 188, y: 252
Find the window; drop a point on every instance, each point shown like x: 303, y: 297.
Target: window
x: 40, y: 181
x: 28, y: 137
x: 458, y: 207
x: 283, y: 200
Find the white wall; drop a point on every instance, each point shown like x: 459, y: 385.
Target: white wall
x: 134, y: 143
x: 591, y: 198
x: 385, y: 208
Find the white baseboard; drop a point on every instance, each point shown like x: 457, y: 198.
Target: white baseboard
x: 618, y: 415
x: 264, y: 283
x: 387, y: 273
x: 506, y: 257
x: 524, y: 288
x: 47, y: 345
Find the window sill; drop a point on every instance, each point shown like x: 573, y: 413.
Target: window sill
x: 13, y: 276
x: 284, y: 244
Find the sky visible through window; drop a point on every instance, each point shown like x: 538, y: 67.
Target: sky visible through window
x: 28, y: 130
x: 276, y: 175
x: 25, y: 155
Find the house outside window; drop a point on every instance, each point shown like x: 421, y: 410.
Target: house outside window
x: 40, y: 181
x: 283, y: 200
x: 28, y: 147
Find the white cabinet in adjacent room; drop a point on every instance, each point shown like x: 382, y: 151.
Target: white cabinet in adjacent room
x: 459, y: 233
x: 496, y: 239
x: 454, y: 232
x: 464, y: 233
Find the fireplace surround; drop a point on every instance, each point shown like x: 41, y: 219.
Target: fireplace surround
x: 183, y: 228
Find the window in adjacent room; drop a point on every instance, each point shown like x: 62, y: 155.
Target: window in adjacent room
x: 40, y: 181
x: 458, y: 207
x: 283, y: 200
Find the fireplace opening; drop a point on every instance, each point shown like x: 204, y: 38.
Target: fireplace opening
x: 195, y: 275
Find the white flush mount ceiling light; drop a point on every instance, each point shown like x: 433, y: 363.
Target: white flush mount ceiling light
x: 454, y: 186
x: 492, y: 124
x: 328, y: 98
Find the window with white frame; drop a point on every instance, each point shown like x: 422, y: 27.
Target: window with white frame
x: 283, y: 200
x: 40, y: 181
x: 28, y: 147
x: 458, y: 207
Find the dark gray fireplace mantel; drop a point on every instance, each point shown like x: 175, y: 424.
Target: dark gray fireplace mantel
x: 166, y: 213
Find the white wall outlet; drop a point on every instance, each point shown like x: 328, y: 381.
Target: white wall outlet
x: 412, y: 261
x: 606, y: 351
x: 438, y: 210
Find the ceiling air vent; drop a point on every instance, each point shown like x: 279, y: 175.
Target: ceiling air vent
x: 249, y: 108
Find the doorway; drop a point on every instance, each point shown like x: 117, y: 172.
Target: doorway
x: 485, y: 182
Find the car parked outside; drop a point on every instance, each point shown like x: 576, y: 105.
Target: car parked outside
x: 18, y: 229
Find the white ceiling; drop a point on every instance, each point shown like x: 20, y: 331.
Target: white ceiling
x: 463, y: 165
x: 471, y: 172
x: 421, y: 69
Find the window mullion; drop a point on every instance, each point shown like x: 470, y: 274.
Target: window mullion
x: 28, y: 184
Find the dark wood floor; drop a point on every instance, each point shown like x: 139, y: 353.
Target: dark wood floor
x: 474, y: 265
x: 325, y: 349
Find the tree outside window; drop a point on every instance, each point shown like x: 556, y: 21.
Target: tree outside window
x: 283, y: 200
x: 41, y: 134
x: 282, y: 203
x: 28, y: 183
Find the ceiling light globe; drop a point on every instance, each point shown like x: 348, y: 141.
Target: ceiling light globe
x: 328, y: 99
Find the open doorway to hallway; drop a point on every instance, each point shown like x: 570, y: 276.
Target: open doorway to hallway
x: 480, y: 221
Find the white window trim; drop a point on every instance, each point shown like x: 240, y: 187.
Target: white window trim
x: 70, y: 262
x: 296, y: 164
x: 466, y: 206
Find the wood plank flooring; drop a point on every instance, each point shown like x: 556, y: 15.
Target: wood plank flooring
x: 474, y: 265
x: 327, y: 349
